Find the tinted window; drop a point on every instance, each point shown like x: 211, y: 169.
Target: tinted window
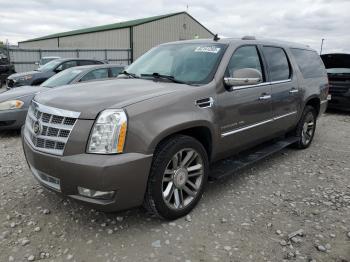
x: 309, y: 63
x: 96, y: 74
x: 116, y: 71
x: 244, y: 57
x: 67, y: 65
x: 277, y: 62
x: 88, y: 62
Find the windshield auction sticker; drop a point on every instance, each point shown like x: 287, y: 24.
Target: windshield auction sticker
x: 207, y: 49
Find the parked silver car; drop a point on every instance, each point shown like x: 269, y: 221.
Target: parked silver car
x: 14, y: 103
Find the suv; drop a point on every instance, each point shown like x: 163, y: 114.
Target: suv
x: 152, y: 137
x: 338, y: 69
x: 44, y: 72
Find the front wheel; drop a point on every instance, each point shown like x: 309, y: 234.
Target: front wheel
x: 305, y: 130
x: 178, y: 174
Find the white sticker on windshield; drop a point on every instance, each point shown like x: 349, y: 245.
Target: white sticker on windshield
x: 208, y: 49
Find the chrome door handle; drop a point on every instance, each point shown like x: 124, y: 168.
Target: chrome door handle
x: 293, y: 91
x: 265, y: 97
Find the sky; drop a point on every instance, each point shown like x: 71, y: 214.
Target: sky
x: 302, y: 21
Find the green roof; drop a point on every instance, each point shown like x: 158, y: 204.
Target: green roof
x: 106, y: 27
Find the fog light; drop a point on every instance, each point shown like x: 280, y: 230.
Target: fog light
x: 95, y: 194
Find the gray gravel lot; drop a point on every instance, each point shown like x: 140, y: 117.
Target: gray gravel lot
x: 293, y: 206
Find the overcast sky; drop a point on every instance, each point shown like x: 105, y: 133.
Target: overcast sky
x: 304, y: 21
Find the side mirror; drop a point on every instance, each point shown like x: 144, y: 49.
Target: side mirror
x: 58, y: 69
x: 244, y: 77
x: 37, y: 63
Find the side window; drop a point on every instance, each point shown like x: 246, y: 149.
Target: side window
x: 244, y: 57
x: 67, y: 65
x: 116, y: 71
x: 95, y: 74
x: 309, y: 63
x: 86, y: 62
x: 277, y: 62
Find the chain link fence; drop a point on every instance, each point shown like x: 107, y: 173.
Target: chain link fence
x: 27, y: 59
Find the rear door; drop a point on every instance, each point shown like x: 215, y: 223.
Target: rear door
x: 285, y: 92
x: 245, y: 117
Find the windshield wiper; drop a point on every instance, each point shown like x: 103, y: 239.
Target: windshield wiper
x: 132, y: 75
x: 171, y: 78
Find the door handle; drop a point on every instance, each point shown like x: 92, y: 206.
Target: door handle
x: 293, y: 91
x: 265, y: 97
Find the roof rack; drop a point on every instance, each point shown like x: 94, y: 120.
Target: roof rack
x: 248, y: 37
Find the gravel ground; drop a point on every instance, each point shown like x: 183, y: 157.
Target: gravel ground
x: 294, y: 206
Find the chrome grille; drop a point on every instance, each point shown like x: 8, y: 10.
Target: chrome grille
x: 47, y: 129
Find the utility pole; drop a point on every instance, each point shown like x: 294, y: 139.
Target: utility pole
x: 321, y: 46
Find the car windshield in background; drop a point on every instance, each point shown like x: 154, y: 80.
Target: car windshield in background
x: 49, y: 66
x: 338, y: 70
x: 187, y: 63
x: 62, y: 78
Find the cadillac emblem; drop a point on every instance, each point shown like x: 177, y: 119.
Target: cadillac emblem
x: 36, y: 128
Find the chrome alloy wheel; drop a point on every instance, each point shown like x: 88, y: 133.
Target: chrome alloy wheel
x: 183, y: 178
x: 308, y: 129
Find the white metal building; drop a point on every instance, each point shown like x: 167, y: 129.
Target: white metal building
x: 138, y: 35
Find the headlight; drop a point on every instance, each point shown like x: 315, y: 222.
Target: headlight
x: 12, y: 104
x: 25, y: 78
x: 109, y: 132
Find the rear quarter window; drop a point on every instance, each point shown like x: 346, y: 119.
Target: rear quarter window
x: 309, y: 63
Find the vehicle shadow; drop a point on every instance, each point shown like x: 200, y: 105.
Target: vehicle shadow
x: 10, y: 133
x: 332, y: 111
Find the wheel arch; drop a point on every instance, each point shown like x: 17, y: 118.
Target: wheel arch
x: 315, y: 102
x: 200, y: 130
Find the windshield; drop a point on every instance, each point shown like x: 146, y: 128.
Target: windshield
x: 50, y: 65
x: 188, y: 63
x: 338, y: 70
x: 62, y: 78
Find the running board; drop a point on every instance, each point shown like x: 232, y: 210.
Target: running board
x: 229, y: 166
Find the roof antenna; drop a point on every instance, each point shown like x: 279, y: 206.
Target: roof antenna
x: 216, y: 38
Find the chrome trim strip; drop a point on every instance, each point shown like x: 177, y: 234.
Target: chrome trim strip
x: 262, y: 84
x: 285, y: 115
x: 324, y: 101
x: 56, y: 111
x: 257, y: 124
x: 246, y: 128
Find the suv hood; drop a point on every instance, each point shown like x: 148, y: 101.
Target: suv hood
x: 336, y: 60
x: 91, y: 98
x: 21, y: 92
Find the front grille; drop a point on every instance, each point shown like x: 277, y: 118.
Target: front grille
x: 47, y: 129
x: 339, y: 87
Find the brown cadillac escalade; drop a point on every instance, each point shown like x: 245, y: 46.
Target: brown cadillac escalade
x: 153, y: 136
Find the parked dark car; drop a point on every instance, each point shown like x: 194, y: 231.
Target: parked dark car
x: 14, y: 103
x: 44, y: 60
x: 6, y: 69
x: 338, y: 69
x: 151, y: 137
x: 43, y: 73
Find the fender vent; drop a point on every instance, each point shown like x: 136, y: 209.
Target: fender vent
x: 205, y: 102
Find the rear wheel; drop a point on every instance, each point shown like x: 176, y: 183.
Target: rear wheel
x: 305, y: 130
x: 177, y: 178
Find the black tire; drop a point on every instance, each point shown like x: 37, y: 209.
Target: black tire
x: 154, y: 201
x: 308, y: 117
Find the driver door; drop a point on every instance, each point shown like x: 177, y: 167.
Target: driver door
x: 245, y: 111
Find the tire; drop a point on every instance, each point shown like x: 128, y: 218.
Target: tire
x: 306, y: 127
x: 175, y: 185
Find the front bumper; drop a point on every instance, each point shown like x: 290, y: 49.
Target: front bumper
x: 126, y: 174
x: 12, y: 119
x: 340, y: 102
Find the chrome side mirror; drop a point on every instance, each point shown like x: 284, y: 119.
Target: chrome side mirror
x: 244, y: 77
